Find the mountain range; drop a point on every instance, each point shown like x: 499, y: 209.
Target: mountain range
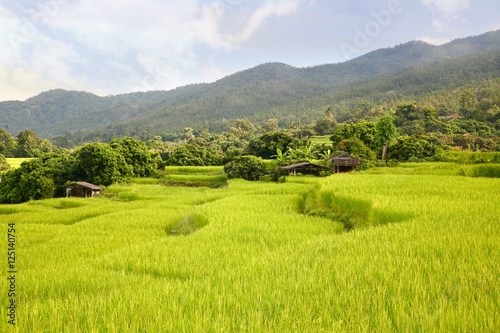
x: 271, y: 90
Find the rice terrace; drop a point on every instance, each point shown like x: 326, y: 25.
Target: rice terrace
x: 421, y: 255
x: 352, y: 184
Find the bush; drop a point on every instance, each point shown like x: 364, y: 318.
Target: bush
x: 191, y: 154
x: 364, y: 131
x: 266, y: 145
x: 414, y: 148
x: 32, y: 181
x: 247, y: 167
x: 355, y: 147
x: 137, y: 155
x: 98, y: 163
x: 265, y: 178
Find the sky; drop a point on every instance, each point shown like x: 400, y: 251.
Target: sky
x: 121, y: 46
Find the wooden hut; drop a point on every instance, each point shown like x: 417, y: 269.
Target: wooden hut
x: 82, y: 190
x: 345, y: 163
x: 305, y: 168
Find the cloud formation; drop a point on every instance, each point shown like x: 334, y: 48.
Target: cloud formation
x: 448, y: 7
x: 449, y: 14
x: 122, y: 46
x: 119, y: 41
x: 434, y: 40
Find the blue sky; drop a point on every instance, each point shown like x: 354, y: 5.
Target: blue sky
x: 123, y: 46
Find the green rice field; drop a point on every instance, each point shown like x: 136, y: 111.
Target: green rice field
x: 16, y: 162
x: 414, y: 248
x: 321, y: 139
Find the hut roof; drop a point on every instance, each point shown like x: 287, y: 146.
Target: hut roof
x: 345, y: 160
x: 303, y: 164
x: 86, y: 185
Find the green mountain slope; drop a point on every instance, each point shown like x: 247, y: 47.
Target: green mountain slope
x: 268, y: 90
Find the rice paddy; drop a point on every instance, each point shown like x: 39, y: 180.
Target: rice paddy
x: 16, y: 162
x: 323, y: 139
x: 413, y: 248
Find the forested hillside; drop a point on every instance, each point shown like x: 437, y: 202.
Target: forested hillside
x: 352, y: 90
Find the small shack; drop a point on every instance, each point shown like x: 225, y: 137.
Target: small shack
x: 82, y: 190
x: 345, y: 163
x: 305, y: 168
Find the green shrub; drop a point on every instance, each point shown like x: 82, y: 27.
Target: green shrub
x: 247, y: 167
x: 266, y: 178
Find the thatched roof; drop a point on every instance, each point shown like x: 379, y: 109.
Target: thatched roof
x: 303, y: 164
x: 345, y: 160
x: 86, y: 185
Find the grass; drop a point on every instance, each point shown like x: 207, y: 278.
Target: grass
x: 323, y: 139
x: 472, y: 157
x: 151, y: 181
x: 250, y: 260
x: 211, y: 176
x: 206, y: 170
x: 489, y: 170
x: 195, y: 180
x: 16, y: 162
x: 187, y: 225
x: 483, y: 170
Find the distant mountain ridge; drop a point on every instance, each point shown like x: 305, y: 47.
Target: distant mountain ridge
x: 267, y: 90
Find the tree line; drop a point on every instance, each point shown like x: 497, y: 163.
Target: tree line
x: 98, y: 163
x: 410, y: 132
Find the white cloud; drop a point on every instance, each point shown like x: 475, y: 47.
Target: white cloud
x: 20, y: 84
x: 278, y: 8
x: 434, y: 40
x: 448, y: 16
x: 448, y: 7
x: 4, y: 12
x: 211, y: 29
x: 123, y: 45
x: 120, y: 44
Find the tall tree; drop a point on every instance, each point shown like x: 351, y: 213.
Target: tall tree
x: 187, y: 134
x: 271, y: 125
x: 4, y: 165
x: 265, y: 145
x: 412, y: 119
x: 100, y: 164
x: 137, y: 155
x: 469, y: 106
x: 243, y: 128
x: 386, y: 133
x: 7, y: 144
x: 29, y: 145
x: 354, y: 146
x: 326, y: 125
x: 364, y: 130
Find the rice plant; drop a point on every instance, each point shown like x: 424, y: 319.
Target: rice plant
x: 16, y: 162
x: 250, y: 260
